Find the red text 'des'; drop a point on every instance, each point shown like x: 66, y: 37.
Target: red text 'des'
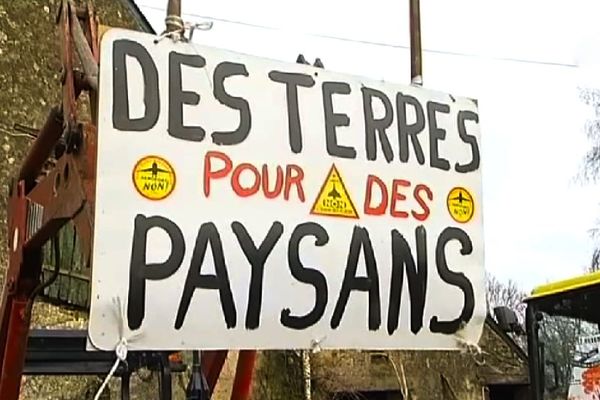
x: 391, y: 198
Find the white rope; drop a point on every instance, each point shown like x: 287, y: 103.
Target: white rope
x: 417, y: 81
x: 473, y: 349
x: 315, y: 344
x: 401, y: 382
x: 203, y: 26
x: 122, y: 346
x: 121, y: 352
x: 176, y: 21
x: 178, y: 35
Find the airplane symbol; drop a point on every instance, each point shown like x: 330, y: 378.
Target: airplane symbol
x: 334, y: 193
x: 460, y: 198
x: 155, y: 170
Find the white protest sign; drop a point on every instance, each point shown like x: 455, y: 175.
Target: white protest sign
x: 246, y: 203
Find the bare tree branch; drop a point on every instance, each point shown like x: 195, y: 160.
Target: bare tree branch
x: 590, y: 169
x: 505, y: 294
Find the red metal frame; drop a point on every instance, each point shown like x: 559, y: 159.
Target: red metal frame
x: 40, y: 204
x: 242, y: 384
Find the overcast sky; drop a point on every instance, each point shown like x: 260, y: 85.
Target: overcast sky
x: 536, y: 217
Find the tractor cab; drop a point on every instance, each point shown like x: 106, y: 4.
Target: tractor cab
x: 572, y: 308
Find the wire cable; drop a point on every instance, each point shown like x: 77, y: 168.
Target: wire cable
x: 371, y: 43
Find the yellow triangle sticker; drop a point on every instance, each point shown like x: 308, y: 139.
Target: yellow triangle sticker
x: 333, y: 199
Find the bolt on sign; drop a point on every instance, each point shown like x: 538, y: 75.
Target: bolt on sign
x: 247, y: 203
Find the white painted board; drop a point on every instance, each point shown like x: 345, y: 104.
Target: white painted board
x: 246, y: 203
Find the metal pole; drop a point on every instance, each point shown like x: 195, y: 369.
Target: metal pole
x: 212, y: 364
x: 89, y: 64
x: 242, y: 385
x: 173, y: 20
x: 416, y: 63
x: 21, y: 278
x: 197, y: 388
x: 42, y: 148
x: 533, y: 353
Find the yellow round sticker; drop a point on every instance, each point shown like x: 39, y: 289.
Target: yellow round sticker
x: 154, y: 177
x: 461, y: 205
